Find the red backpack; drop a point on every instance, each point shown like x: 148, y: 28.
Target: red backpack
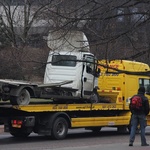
x: 136, y: 103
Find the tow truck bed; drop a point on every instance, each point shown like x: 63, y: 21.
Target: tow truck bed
x: 48, y: 119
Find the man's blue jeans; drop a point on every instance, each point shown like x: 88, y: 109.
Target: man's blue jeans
x: 135, y: 121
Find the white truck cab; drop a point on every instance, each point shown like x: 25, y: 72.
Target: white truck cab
x: 78, y: 67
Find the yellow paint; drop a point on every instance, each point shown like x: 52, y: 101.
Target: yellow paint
x: 100, y: 121
x: 118, y: 88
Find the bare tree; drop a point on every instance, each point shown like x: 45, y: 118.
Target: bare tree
x: 20, y: 21
x: 115, y: 29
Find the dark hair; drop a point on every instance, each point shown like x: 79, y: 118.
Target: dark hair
x: 141, y: 89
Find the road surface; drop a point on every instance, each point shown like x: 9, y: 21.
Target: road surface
x: 78, y: 139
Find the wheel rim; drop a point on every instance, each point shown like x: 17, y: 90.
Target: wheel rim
x: 60, y: 129
x: 24, y: 98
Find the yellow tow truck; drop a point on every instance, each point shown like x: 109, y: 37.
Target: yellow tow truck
x: 118, y: 81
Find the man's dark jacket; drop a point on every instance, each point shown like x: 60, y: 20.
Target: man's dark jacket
x: 145, y: 109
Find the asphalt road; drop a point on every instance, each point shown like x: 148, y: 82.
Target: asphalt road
x: 78, y: 139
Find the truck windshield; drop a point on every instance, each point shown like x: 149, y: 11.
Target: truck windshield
x: 64, y: 60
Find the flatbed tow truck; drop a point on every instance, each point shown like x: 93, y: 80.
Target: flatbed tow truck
x: 49, y: 118
x: 55, y: 119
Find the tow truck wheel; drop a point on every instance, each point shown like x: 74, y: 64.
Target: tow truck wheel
x: 22, y: 99
x: 59, y: 128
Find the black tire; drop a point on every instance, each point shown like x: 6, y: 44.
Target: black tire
x: 22, y: 99
x: 59, y: 128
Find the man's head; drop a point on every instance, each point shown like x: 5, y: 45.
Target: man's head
x: 141, y: 90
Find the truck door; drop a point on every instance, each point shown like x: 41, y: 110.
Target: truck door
x: 88, y: 79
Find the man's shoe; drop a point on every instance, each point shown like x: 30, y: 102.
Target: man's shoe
x: 145, y: 144
x: 130, y: 144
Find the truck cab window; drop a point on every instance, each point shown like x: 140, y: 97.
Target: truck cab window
x: 146, y: 84
x: 64, y: 60
x: 90, y: 64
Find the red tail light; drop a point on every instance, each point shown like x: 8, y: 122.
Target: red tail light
x: 17, y: 122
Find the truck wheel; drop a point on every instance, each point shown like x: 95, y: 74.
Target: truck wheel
x: 59, y: 129
x: 22, y: 99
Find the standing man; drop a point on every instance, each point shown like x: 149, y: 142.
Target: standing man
x: 139, y: 107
